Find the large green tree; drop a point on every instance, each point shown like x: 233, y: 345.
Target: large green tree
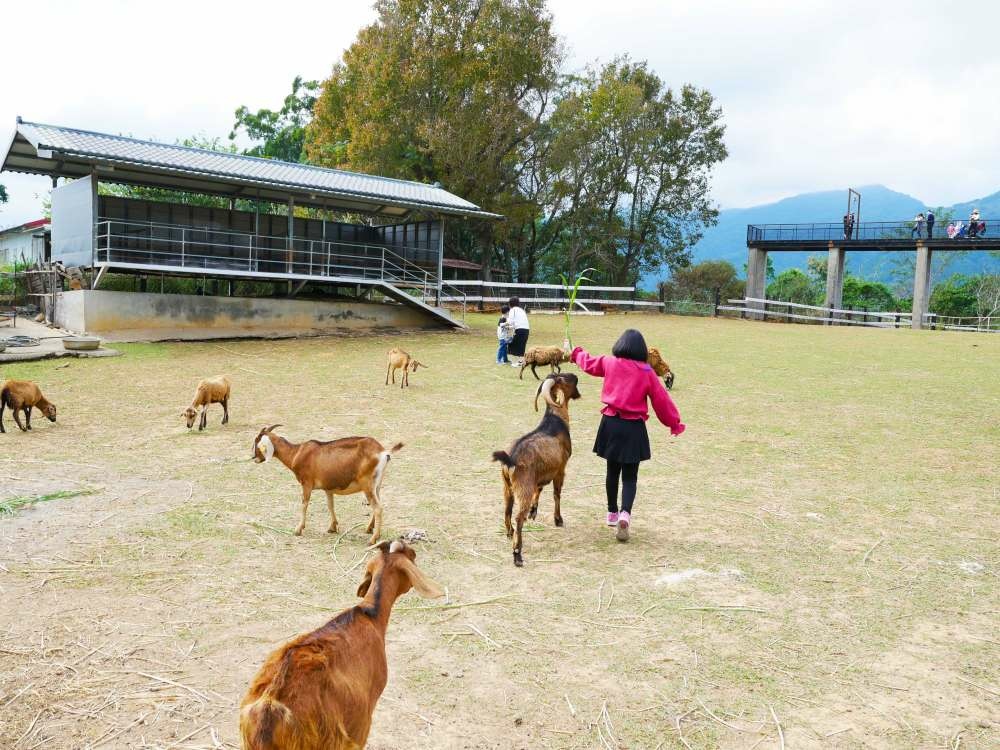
x: 279, y: 134
x: 444, y: 91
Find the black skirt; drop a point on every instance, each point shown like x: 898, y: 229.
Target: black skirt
x: 516, y: 346
x: 623, y: 440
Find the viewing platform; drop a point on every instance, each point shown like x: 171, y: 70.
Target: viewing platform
x: 872, y: 236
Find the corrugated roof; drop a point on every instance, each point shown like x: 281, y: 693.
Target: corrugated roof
x: 115, y: 149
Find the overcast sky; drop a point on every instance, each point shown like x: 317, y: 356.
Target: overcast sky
x: 815, y: 95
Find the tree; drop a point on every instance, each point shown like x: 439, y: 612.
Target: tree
x: 870, y: 295
x: 3, y: 194
x: 279, y: 135
x: 955, y: 297
x: 793, y: 285
x: 442, y: 91
x: 988, y: 295
x: 707, y: 281
x: 633, y: 159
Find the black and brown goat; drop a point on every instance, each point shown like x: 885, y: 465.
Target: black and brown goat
x: 338, y: 467
x: 318, y: 691
x: 660, y: 367
x: 538, y: 458
x: 23, y: 395
x: 552, y: 356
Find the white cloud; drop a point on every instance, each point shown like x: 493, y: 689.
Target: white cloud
x: 816, y: 95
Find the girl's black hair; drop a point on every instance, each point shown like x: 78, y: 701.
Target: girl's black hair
x: 631, y: 345
x: 514, y: 302
x: 505, y: 309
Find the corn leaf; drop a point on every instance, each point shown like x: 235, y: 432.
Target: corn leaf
x: 571, y: 294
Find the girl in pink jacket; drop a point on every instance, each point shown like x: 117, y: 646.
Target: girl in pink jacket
x: 622, y: 439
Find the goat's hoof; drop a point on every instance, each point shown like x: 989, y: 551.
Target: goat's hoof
x: 558, y: 520
x: 510, y: 533
x: 518, y: 560
x: 332, y: 529
x: 298, y: 531
x: 373, y: 541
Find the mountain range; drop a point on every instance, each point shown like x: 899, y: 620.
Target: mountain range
x: 727, y: 239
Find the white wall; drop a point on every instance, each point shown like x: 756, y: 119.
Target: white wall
x: 15, y: 243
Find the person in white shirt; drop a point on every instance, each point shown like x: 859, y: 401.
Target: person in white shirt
x: 518, y: 318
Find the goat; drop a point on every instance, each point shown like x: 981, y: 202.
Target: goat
x: 319, y: 690
x: 400, y: 359
x: 544, y: 355
x: 23, y: 395
x: 213, y: 391
x: 660, y: 367
x: 339, y: 467
x: 538, y: 458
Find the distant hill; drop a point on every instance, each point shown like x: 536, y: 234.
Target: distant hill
x: 727, y: 239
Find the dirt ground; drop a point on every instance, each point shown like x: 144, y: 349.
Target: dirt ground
x: 814, y: 563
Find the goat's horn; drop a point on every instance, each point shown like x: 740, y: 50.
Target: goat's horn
x: 544, y: 390
x: 268, y: 429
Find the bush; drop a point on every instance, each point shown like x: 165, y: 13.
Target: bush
x: 794, y: 286
x: 871, y: 295
x: 956, y: 296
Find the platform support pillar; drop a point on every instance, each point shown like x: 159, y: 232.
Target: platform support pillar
x: 921, y: 286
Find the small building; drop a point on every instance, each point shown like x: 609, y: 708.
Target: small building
x: 324, y: 249
x: 27, y: 242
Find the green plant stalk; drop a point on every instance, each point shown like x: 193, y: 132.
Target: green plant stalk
x: 11, y: 505
x: 571, y: 295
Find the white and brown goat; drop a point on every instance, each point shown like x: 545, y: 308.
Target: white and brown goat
x: 319, y: 690
x: 398, y: 359
x: 338, y: 467
x: 209, y: 391
x: 552, y: 356
x: 538, y: 458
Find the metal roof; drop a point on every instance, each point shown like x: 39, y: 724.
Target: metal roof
x: 69, y: 152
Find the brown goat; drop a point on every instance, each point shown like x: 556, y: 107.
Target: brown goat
x: 318, y: 691
x: 338, y: 467
x: 538, y: 458
x: 660, y: 367
x: 400, y: 359
x: 23, y: 395
x: 544, y: 355
x: 208, y: 392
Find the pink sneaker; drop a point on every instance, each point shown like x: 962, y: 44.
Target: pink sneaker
x: 612, y: 519
x: 624, y: 521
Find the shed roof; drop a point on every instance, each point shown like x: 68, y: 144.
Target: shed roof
x: 70, y: 152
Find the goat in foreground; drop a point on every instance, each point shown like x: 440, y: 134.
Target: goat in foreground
x: 209, y: 391
x: 538, y: 458
x: 23, y: 395
x: 660, y: 367
x: 318, y: 691
x: 338, y: 467
x: 400, y: 359
x: 544, y: 355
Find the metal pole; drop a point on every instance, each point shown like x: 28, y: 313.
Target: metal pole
x: 440, y: 258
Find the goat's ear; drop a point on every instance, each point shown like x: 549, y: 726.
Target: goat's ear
x: 421, y: 583
x: 365, y: 583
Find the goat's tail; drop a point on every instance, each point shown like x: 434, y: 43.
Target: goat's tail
x: 396, y: 448
x: 261, y: 723
x: 504, y: 458
x: 5, y: 397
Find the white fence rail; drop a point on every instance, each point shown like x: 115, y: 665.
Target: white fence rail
x: 552, y: 295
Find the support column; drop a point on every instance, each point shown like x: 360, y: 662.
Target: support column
x: 835, y: 278
x: 921, y: 286
x: 437, y: 302
x: 756, y: 279
x: 291, y: 242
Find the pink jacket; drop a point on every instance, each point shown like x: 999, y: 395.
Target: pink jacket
x: 627, y: 384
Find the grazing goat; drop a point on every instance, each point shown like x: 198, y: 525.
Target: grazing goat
x: 538, y: 458
x: 23, y: 395
x: 214, y: 391
x: 544, y: 355
x: 339, y: 467
x: 319, y: 690
x: 660, y: 367
x: 400, y: 359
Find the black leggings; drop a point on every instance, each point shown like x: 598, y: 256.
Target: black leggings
x: 630, y: 475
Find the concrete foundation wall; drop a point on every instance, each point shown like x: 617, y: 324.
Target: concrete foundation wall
x: 137, y: 316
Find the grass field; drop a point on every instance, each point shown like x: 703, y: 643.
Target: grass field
x: 818, y: 552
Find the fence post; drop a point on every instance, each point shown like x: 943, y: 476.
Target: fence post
x: 866, y: 314
x: 788, y: 312
x: 715, y: 307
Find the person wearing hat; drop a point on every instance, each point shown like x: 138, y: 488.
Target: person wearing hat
x: 918, y: 226
x: 974, y: 223
x: 930, y: 223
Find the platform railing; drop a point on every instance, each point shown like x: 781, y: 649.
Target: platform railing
x: 205, y: 249
x: 873, y: 231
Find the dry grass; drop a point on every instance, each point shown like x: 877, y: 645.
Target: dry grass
x: 837, y: 490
